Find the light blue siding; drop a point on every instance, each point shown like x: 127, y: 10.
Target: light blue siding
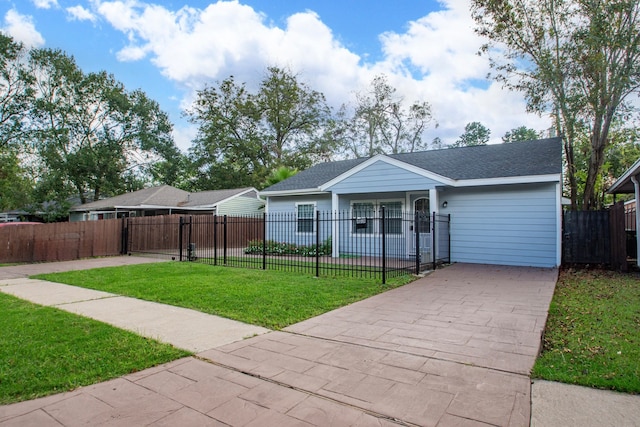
x: 383, y: 177
x: 510, y: 225
x: 282, y: 219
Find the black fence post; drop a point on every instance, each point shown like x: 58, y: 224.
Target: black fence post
x: 190, y: 248
x: 224, y: 240
x: 317, y: 243
x: 434, y: 249
x: 215, y: 239
x: 449, y: 238
x: 264, y: 240
x: 416, y: 227
x: 180, y: 239
x: 384, y: 247
x: 124, y: 244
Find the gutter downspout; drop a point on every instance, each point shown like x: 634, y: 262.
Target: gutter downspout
x: 636, y: 187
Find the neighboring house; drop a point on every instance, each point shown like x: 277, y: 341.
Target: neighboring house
x: 166, y: 200
x: 629, y: 183
x: 505, y: 200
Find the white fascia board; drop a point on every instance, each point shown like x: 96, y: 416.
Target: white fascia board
x: 632, y: 171
x: 301, y: 192
x: 381, y: 157
x: 529, y: 179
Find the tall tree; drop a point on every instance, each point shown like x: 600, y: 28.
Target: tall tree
x: 577, y: 60
x: 15, y: 92
x: 91, y: 135
x: 521, y: 133
x: 243, y: 136
x: 382, y: 123
x: 15, y: 89
x: 475, y: 133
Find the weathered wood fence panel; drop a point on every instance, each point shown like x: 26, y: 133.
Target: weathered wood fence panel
x: 60, y: 241
x: 161, y: 234
x: 595, y: 237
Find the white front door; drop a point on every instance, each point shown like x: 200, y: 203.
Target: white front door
x: 421, y: 229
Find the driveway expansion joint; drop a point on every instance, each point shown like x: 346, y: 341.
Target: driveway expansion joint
x: 503, y: 371
x: 307, y: 392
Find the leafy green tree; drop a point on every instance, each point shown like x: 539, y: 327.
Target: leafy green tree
x: 622, y: 152
x: 382, y: 123
x: 521, y: 133
x: 92, y: 136
x: 242, y: 136
x: 15, y: 90
x: 278, y: 175
x: 16, y: 187
x: 577, y: 60
x: 475, y: 133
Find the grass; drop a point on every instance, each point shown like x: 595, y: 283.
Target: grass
x: 273, y: 299
x: 44, y: 350
x: 592, y: 336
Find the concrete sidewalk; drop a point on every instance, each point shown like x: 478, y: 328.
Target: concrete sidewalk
x: 451, y: 349
x: 184, y: 328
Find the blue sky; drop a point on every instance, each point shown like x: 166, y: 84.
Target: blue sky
x: 171, y: 48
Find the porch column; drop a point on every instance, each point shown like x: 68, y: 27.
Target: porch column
x: 434, y: 203
x: 335, y: 225
x: 434, y: 206
x: 636, y: 188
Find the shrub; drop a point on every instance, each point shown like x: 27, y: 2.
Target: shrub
x: 271, y: 247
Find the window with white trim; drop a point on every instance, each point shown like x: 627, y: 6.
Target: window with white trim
x: 363, y: 214
x: 305, y: 214
x: 367, y: 217
x: 392, y: 217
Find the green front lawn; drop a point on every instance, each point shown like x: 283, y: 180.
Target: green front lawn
x: 592, y: 336
x: 271, y: 298
x: 44, y: 350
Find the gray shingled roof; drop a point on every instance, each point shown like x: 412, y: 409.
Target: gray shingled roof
x: 526, y: 158
x: 208, y: 198
x: 164, y: 195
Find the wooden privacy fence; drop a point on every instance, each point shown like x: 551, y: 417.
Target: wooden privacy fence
x: 61, y: 241
x: 172, y: 234
x: 595, y: 237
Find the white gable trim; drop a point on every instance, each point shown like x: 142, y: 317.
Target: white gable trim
x: 393, y: 162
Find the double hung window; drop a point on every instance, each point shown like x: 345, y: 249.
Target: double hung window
x: 305, y: 213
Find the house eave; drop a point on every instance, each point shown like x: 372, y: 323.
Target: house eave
x: 301, y: 192
x: 529, y: 179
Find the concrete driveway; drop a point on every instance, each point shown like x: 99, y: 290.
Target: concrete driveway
x: 452, y: 349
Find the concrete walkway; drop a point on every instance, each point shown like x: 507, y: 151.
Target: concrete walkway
x: 451, y: 349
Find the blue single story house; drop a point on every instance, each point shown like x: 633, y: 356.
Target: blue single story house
x: 504, y: 200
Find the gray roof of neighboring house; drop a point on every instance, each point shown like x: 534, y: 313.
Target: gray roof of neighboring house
x: 208, y: 198
x: 526, y: 158
x: 164, y: 195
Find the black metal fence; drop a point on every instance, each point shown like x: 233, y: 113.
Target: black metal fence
x: 376, y: 243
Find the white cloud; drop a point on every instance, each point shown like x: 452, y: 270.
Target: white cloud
x: 79, y: 13
x: 22, y: 29
x: 45, y: 4
x: 435, y: 59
